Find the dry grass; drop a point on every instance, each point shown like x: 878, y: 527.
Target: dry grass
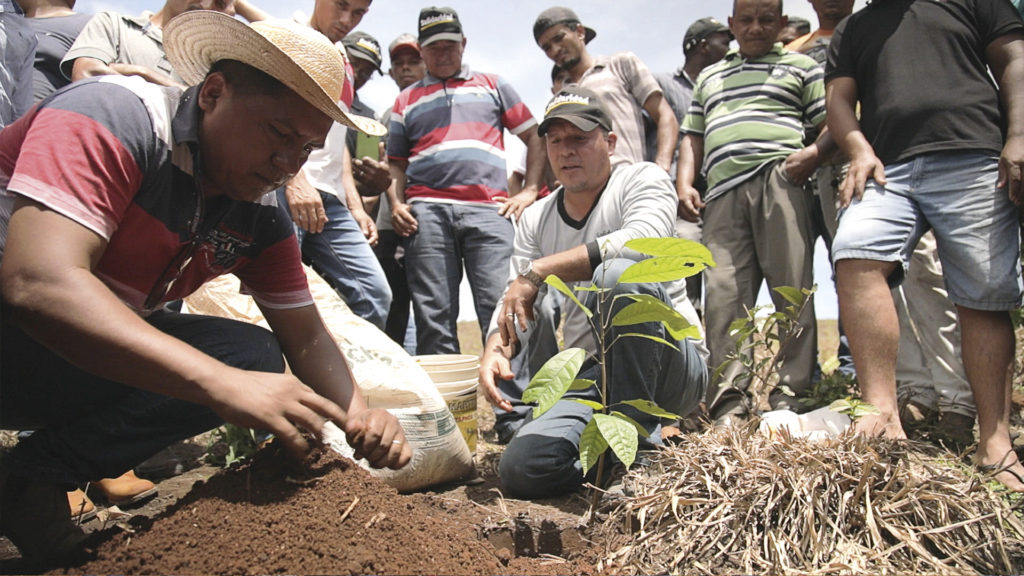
x: 732, y: 502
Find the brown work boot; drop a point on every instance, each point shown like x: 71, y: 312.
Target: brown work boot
x: 35, y: 516
x: 125, y: 490
x: 917, y: 419
x: 954, y: 431
x: 81, y: 507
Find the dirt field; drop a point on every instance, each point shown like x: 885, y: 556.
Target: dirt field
x: 269, y: 518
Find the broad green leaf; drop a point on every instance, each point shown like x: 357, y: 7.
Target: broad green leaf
x: 557, y: 283
x: 592, y: 445
x: 864, y: 408
x: 648, y: 407
x: 639, y: 429
x: 738, y: 325
x: 828, y: 367
x: 581, y: 384
x: 793, y: 295
x: 588, y: 288
x: 672, y: 247
x: 595, y: 406
x: 841, y: 406
x: 550, y: 383
x: 661, y: 269
x: 620, y: 435
x: 647, y: 308
x: 659, y: 340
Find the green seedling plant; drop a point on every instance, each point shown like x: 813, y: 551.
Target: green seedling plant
x: 855, y: 408
x: 761, y: 342
x: 668, y: 259
x: 231, y: 445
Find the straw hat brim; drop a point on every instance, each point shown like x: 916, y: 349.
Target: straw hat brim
x: 194, y: 41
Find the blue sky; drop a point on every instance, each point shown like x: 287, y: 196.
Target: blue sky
x: 500, y: 40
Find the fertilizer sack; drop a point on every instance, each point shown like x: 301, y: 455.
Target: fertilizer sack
x: 386, y: 375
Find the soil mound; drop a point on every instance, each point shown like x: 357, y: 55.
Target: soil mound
x: 326, y: 517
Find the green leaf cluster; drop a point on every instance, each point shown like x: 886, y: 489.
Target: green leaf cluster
x: 668, y: 259
x: 230, y: 445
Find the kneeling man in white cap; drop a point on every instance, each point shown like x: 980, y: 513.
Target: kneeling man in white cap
x: 578, y: 233
x: 123, y: 195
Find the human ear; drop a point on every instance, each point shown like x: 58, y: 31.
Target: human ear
x: 213, y: 88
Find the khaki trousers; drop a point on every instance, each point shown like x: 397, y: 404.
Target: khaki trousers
x: 759, y: 231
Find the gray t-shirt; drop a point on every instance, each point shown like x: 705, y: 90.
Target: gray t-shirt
x: 623, y: 83
x: 115, y: 38
x: 56, y: 36
x: 17, y: 46
x: 638, y: 201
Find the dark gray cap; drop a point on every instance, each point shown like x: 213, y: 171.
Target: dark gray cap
x: 578, y: 106
x: 700, y: 30
x: 365, y: 47
x: 439, y: 23
x: 559, y: 15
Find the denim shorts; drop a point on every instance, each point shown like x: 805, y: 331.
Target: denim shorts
x: 955, y: 195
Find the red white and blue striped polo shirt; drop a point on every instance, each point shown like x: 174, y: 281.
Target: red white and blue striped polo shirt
x: 452, y: 134
x: 117, y: 155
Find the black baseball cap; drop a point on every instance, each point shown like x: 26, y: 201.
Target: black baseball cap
x: 578, y: 106
x: 365, y: 47
x: 439, y: 23
x: 559, y: 15
x: 700, y: 30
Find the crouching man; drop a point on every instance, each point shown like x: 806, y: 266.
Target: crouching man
x: 127, y: 195
x: 578, y: 233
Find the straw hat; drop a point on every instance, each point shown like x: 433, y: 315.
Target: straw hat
x: 299, y: 57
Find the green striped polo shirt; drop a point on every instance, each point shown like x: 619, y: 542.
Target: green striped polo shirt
x: 751, y: 112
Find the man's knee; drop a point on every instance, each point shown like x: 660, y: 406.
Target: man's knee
x: 237, y: 344
x: 852, y: 273
x: 537, y: 466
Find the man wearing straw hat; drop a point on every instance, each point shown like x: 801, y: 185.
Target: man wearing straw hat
x: 578, y: 233
x: 152, y: 196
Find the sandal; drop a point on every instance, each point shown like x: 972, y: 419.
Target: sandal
x: 999, y: 467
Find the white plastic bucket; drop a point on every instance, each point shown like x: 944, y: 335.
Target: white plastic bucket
x: 456, y: 378
x: 447, y: 361
x: 452, y: 375
x: 463, y: 408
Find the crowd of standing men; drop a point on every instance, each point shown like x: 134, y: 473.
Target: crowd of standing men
x: 895, y: 134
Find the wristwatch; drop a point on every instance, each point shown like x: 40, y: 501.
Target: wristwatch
x: 532, y: 276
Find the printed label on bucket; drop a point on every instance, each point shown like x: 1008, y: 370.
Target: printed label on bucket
x: 463, y: 408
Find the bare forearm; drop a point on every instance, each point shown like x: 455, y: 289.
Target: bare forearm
x: 660, y: 111
x: 65, y: 307
x: 570, y: 265
x: 396, y: 192
x: 314, y: 357
x: 536, y: 159
x: 668, y: 136
x: 691, y: 154
x: 348, y: 183
x: 249, y: 11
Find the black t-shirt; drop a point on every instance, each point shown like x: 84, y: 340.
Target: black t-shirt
x: 55, y: 35
x: 921, y: 74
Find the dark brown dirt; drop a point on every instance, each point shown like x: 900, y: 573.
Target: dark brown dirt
x: 269, y: 518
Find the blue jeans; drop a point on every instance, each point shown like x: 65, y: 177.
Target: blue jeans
x: 543, y: 458
x: 450, y: 237
x: 975, y: 224
x: 342, y: 256
x: 90, y: 428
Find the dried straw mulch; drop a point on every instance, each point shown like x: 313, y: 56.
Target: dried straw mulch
x: 729, y: 501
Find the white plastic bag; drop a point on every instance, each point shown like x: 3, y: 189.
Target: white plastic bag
x: 815, y: 425
x: 386, y: 375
